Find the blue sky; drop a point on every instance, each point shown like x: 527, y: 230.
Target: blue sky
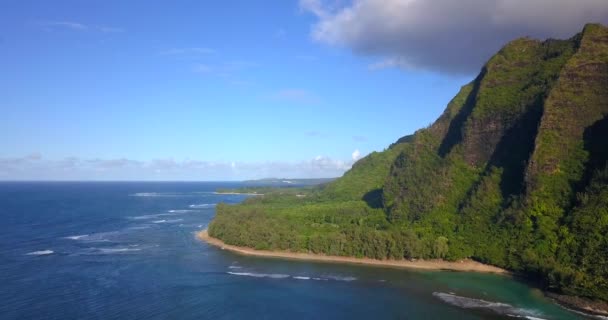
x: 207, y: 90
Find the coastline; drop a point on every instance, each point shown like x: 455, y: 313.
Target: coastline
x: 598, y: 309
x: 582, y: 306
x: 462, y: 265
x: 241, y: 193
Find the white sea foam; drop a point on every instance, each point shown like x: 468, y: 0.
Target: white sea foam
x: 40, y: 253
x: 168, y: 194
x: 260, y: 275
x: 341, y: 278
x: 149, y: 216
x: 145, y: 194
x: 235, y: 267
x: 301, y: 278
x: 117, y: 250
x: 94, y: 237
x: 202, y: 205
x: 181, y: 211
x: 78, y: 237
x: 498, y: 307
x: 238, y: 193
x: 168, y: 221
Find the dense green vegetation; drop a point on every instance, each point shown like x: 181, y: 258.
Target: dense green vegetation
x: 513, y: 173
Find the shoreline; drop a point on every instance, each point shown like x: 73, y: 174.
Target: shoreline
x: 241, y: 193
x: 462, y: 265
x: 578, y: 305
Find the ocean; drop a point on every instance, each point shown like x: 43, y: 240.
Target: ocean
x: 127, y: 250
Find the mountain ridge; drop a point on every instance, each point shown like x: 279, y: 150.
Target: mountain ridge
x: 518, y: 156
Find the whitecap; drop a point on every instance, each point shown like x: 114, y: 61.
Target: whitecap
x: 235, y: 267
x: 144, y: 194
x: 78, y: 237
x: 341, y: 278
x: 168, y: 221
x: 201, y: 205
x: 181, y: 211
x: 301, y: 278
x: 94, y: 237
x: 149, y: 216
x: 260, y: 275
x: 40, y: 253
x: 498, y: 307
x: 117, y: 250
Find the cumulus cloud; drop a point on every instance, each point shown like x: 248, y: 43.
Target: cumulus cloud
x: 356, y: 155
x: 448, y: 36
x: 34, y: 167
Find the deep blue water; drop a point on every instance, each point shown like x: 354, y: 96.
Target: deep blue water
x: 76, y: 250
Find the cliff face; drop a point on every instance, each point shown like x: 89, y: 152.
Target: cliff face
x: 518, y: 156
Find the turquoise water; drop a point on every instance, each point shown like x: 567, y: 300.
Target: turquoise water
x: 128, y: 251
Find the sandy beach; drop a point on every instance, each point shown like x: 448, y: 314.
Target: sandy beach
x: 462, y: 265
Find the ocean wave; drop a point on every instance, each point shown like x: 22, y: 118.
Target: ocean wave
x: 202, y: 205
x: 117, y: 250
x: 181, y: 211
x: 149, y: 216
x: 340, y: 278
x: 235, y: 267
x: 168, y: 221
x: 169, y: 194
x: 498, y: 307
x: 94, y: 237
x: 260, y: 275
x: 40, y: 253
x: 285, y: 276
x: 78, y: 237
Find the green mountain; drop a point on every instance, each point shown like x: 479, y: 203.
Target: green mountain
x: 513, y: 174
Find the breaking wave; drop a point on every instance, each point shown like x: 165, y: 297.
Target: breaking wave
x: 168, y: 221
x: 341, y: 278
x: 94, y: 237
x: 202, y: 205
x: 40, y: 253
x: 498, y: 307
x: 260, y: 275
x: 150, y: 216
x: 284, y: 276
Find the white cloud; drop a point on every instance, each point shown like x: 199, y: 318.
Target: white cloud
x: 34, y: 167
x: 445, y: 35
x: 356, y: 155
x: 77, y: 26
x: 63, y: 24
